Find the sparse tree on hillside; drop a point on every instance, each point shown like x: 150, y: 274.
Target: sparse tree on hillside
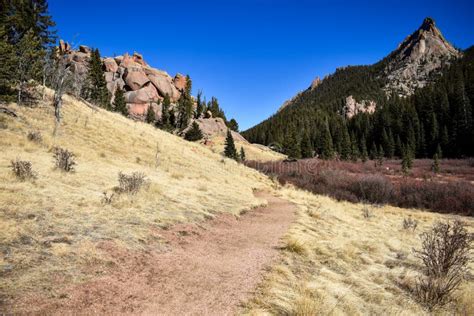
x: 199, y: 105
x: 230, y: 151
x: 150, y: 115
x: 185, y: 106
x: 96, y: 86
x: 242, y: 154
x: 165, y: 112
x: 194, y: 133
x: 233, y: 125
x: 119, y: 102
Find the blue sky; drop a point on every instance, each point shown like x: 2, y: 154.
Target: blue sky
x: 254, y: 55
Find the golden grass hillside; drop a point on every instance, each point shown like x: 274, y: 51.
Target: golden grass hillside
x: 51, y: 225
x: 338, y: 262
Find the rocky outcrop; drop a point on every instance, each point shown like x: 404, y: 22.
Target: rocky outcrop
x: 215, y: 126
x: 418, y: 59
x: 142, y: 83
x: 316, y: 82
x: 353, y: 107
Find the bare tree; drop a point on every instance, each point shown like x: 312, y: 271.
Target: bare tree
x: 61, y: 82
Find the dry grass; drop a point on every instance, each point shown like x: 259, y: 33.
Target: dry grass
x: 338, y: 262
x: 50, y: 228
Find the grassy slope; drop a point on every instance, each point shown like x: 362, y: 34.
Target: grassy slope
x: 187, y: 182
x: 338, y: 262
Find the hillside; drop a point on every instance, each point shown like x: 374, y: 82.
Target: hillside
x: 50, y: 227
x: 419, y: 97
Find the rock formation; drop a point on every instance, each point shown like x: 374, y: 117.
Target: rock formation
x: 143, y: 84
x: 416, y: 60
x: 353, y: 107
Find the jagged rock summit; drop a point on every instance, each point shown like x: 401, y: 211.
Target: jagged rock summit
x: 417, y: 59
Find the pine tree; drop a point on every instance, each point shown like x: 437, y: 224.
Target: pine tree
x: 292, y: 145
x: 199, y: 105
x: 96, y: 86
x: 119, y: 102
x: 306, y: 147
x: 380, y: 156
x: 242, y: 154
x: 435, y: 165
x: 327, y: 151
x: 185, y: 106
x: 346, y: 144
x: 390, y: 145
x: 364, y: 155
x: 165, y: 112
x: 194, y: 133
x: 27, y: 62
x: 406, y: 159
x: 373, y: 152
x: 233, y: 125
x: 150, y: 115
x: 230, y: 151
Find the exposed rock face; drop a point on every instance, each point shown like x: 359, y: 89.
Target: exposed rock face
x: 353, y: 107
x: 142, y: 83
x: 416, y: 60
x: 316, y: 82
x: 215, y: 126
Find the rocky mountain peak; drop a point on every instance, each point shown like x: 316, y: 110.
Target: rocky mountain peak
x: 418, y: 59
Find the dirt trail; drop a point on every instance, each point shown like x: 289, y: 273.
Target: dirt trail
x: 209, y: 269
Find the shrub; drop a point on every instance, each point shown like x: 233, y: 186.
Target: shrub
x: 35, y: 136
x: 64, y: 159
x: 367, y: 212
x: 373, y: 188
x: 409, y: 223
x: 132, y: 183
x: 445, y: 254
x: 107, y: 199
x: 23, y: 169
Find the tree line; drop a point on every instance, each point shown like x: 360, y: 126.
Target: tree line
x: 437, y: 119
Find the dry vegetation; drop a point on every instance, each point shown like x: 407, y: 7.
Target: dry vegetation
x: 339, y: 261
x: 449, y: 191
x: 50, y: 227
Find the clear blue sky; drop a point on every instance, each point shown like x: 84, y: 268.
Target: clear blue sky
x: 253, y: 55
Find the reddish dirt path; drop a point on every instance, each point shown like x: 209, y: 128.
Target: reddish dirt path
x: 209, y: 269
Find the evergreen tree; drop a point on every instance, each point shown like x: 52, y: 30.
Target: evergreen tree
x: 199, y: 105
x: 185, y: 106
x: 373, y: 152
x: 27, y: 63
x: 380, y: 156
x: 233, y: 125
x: 346, y: 144
x: 292, y: 145
x: 96, y: 86
x: 119, y: 102
x: 165, y: 112
x: 242, y: 154
x: 390, y: 145
x: 327, y: 151
x: 230, y: 151
x: 194, y: 133
x: 306, y: 147
x: 435, y: 165
x: 355, y: 153
x: 150, y: 115
x: 406, y: 159
x: 364, y: 155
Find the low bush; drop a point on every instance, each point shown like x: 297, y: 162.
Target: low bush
x: 35, y: 136
x: 64, y: 159
x: 373, y: 188
x: 445, y: 255
x: 410, y: 224
x: 23, y: 169
x: 132, y: 183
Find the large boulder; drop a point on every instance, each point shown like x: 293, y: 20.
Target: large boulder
x: 138, y: 58
x: 139, y: 110
x: 165, y: 86
x: 179, y: 82
x: 109, y: 76
x: 80, y: 57
x: 144, y: 95
x: 110, y: 65
x: 135, y: 77
x: 113, y: 85
x: 85, y: 49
